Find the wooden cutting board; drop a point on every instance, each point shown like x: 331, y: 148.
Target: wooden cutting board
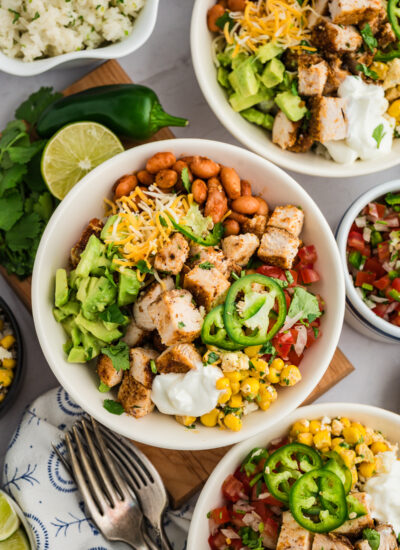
x: 193, y: 467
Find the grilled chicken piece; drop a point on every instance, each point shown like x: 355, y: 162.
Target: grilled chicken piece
x: 376, y: 20
x: 353, y: 12
x: 201, y: 254
x: 175, y: 317
x: 327, y: 36
x: 208, y: 286
x: 336, y: 74
x: 292, y: 535
x: 174, y: 254
x: 141, y: 307
x: 320, y: 9
x: 388, y: 539
x: 313, y: 75
x: 107, y: 373
x: 180, y: 358
x: 140, y: 365
x: 255, y: 224
x: 355, y: 526
x: 240, y: 248
x: 331, y: 542
x: 134, y: 335
x: 278, y: 247
x: 134, y: 397
x: 288, y: 217
x: 94, y: 228
x: 385, y: 35
x: 327, y: 121
x: 303, y: 143
x: 284, y: 131
x: 354, y: 59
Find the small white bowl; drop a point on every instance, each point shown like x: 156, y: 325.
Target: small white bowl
x: 358, y: 314
x: 142, y: 29
x: 85, y: 201
x: 253, y: 137
x: 379, y: 419
x: 24, y: 522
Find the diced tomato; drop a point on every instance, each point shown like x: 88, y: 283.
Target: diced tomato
x: 232, y: 488
x: 382, y: 283
x: 380, y: 309
x: 272, y: 501
x: 244, y: 478
x: 220, y: 515
x: 372, y: 264
x: 308, y: 254
x: 355, y: 228
x: 293, y: 358
x: 283, y: 342
x: 356, y: 241
x: 312, y: 334
x: 396, y: 284
x: 272, y: 271
x: 309, y: 275
x: 394, y: 223
x: 383, y: 251
x: 217, y: 541
x: 376, y: 210
x: 365, y: 277
x: 268, y: 518
x: 237, y: 519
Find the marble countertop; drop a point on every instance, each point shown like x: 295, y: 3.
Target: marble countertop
x: 164, y: 63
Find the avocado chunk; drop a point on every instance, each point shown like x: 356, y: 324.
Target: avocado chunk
x: 268, y: 51
x: 243, y: 79
x: 98, y: 329
x: 92, y: 258
x: 257, y: 117
x: 128, y: 287
x: 239, y: 59
x: 240, y: 103
x: 77, y: 355
x: 223, y: 77
x: 61, y: 292
x: 273, y: 73
x: 95, y: 294
x: 292, y: 105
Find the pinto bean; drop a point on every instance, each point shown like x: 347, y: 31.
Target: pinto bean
x: 231, y: 227
x: 213, y: 14
x: 160, y: 161
x: 246, y: 205
x: 125, y: 185
x: 165, y: 179
x: 240, y: 218
x: 199, y: 190
x: 204, y: 168
x: 179, y: 166
x: 217, y: 203
x: 223, y: 3
x: 145, y: 177
x: 231, y: 182
x: 236, y: 5
x: 263, y: 207
x: 245, y: 187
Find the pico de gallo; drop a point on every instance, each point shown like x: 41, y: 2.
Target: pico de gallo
x: 373, y: 256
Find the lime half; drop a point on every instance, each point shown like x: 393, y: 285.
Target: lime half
x: 9, y: 521
x: 73, y: 152
x: 17, y: 541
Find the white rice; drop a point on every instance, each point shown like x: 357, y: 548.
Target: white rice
x: 33, y: 29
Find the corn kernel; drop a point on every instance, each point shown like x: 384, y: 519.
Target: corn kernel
x: 273, y: 375
x: 9, y: 363
x: 394, y: 109
x: 235, y: 387
x: 345, y: 421
x: 268, y: 392
x: 380, y: 68
x: 299, y: 427
x: 224, y: 396
x: 185, y: 420
x: 260, y: 365
x: 250, y: 387
x: 352, y: 435
x: 244, y: 374
x: 252, y: 351
x: 6, y: 377
x: 7, y: 341
x: 367, y: 469
x: 322, y: 439
x: 264, y: 403
x: 236, y: 401
x: 210, y: 419
x: 233, y: 376
x: 368, y: 439
x: 223, y: 383
x: 348, y: 455
x: 277, y: 364
x: 379, y: 447
x: 337, y: 441
x: 359, y: 427
x: 315, y: 426
x: 354, y: 475
x: 305, y: 438
x: 290, y: 375
x: 233, y: 422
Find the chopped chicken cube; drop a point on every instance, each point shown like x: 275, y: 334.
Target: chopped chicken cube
x: 175, y: 317
x: 256, y: 224
x: 312, y: 78
x: 320, y: 9
x: 388, y: 539
x: 328, y: 122
x: 140, y: 365
x: 336, y: 75
x: 284, y: 131
x: 94, y: 228
x: 201, y: 254
x: 278, y: 247
x: 134, y: 335
x: 292, y: 535
x: 141, y: 307
x: 352, y: 12
x: 331, y: 542
x: 334, y: 38
x: 180, y: 358
x: 288, y: 217
x: 355, y: 526
x: 173, y: 255
x: 107, y: 373
x: 208, y: 286
x: 393, y: 75
x: 385, y: 35
x: 134, y: 397
x: 240, y: 248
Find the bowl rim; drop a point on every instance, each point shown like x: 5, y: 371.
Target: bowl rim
x: 19, y: 369
x: 316, y: 410
x: 127, y: 45
x: 295, y: 161
x: 353, y: 300
x: 183, y: 144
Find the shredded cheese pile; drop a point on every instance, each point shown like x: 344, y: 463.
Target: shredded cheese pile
x: 143, y: 226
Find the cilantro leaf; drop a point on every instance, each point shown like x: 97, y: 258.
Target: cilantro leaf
x: 112, y: 315
x: 11, y: 209
x: 212, y: 357
x: 119, y: 355
x: 378, y: 134
x: 31, y: 109
x: 113, y: 407
x: 373, y: 538
x: 143, y: 267
x: 223, y: 20
x: 23, y: 154
x: 103, y: 388
x: 185, y: 180
x: 11, y: 177
x: 250, y: 538
x: 369, y: 38
x: 24, y: 232
x: 305, y: 303
x: 206, y: 265
x: 367, y: 71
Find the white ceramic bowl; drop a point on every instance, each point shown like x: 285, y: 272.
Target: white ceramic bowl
x: 210, y: 497
x: 256, y: 139
x: 142, y: 29
x: 358, y: 314
x: 85, y: 201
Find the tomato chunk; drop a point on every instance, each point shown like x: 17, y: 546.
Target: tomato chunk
x: 220, y: 515
x: 217, y: 541
x: 309, y: 275
x: 372, y: 264
x: 356, y: 241
x: 396, y: 284
x: 232, y: 488
x: 365, y: 277
x: 382, y: 283
x: 308, y: 254
x: 383, y: 251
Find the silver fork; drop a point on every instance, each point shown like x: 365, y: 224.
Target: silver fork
x: 110, y: 504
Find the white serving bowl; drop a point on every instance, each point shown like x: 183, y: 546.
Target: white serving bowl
x: 142, y: 29
x: 85, y: 201
x: 387, y: 422
x: 358, y: 314
x: 253, y: 137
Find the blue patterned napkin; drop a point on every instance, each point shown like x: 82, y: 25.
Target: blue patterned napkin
x: 34, y: 476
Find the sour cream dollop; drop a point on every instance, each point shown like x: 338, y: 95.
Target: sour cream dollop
x: 364, y: 110
x: 190, y: 394
x: 384, y: 489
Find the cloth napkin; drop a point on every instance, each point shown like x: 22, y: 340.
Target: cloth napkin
x: 36, y: 479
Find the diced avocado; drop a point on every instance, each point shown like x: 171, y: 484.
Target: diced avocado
x: 75, y: 335
x: 225, y: 57
x: 91, y: 345
x: 77, y: 355
x: 287, y: 83
x: 98, y: 329
x: 268, y: 121
x: 266, y: 106
x: 257, y: 117
x: 71, y: 308
x: 223, y: 77
x: 73, y: 279
x: 59, y: 315
x: 239, y: 59
x: 67, y: 346
x: 268, y: 51
x: 244, y: 80
x: 99, y: 293
x: 61, y: 292
x: 240, y: 103
x: 105, y: 231
x: 83, y: 286
x: 68, y: 324
x: 273, y: 73
x: 128, y: 287
x: 292, y: 105
x: 92, y: 258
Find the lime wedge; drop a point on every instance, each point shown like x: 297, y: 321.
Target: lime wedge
x: 17, y: 541
x: 73, y: 152
x: 9, y: 521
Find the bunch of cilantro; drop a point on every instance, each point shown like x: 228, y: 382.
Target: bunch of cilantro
x: 25, y: 203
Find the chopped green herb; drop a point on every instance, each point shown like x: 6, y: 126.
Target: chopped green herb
x: 378, y: 134
x: 221, y: 21
x: 119, y: 355
x: 181, y: 324
x: 103, y: 388
x: 212, y: 357
x: 143, y: 267
x: 163, y: 222
x: 367, y: 71
x: 153, y: 366
x: 113, y: 407
x: 185, y: 180
x: 206, y: 265
x: 373, y: 538
x: 369, y: 38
